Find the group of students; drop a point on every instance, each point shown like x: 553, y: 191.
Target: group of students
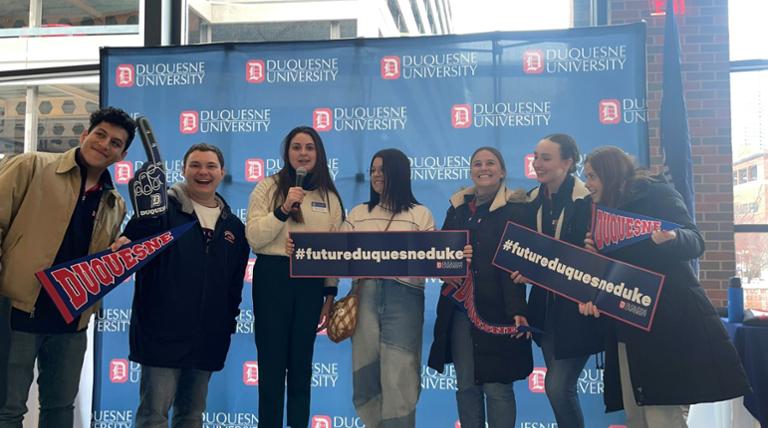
x: 187, y: 299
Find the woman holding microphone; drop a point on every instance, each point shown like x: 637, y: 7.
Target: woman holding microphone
x: 687, y: 356
x: 287, y: 310
x: 486, y: 364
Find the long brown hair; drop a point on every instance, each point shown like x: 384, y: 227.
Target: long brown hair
x: 319, y: 178
x: 615, y: 170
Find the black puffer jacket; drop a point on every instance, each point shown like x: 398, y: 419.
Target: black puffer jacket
x: 574, y: 334
x: 687, y: 356
x: 187, y: 298
x: 497, y: 358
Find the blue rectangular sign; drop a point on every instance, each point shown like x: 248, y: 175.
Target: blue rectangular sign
x: 379, y: 254
x: 627, y: 293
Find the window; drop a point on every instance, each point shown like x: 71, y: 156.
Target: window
x: 749, y: 136
x: 62, y: 115
x: 70, y: 17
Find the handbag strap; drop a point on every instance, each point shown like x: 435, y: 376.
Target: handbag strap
x: 389, y: 223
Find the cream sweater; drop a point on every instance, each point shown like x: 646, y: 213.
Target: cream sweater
x: 267, y: 234
x: 418, y: 218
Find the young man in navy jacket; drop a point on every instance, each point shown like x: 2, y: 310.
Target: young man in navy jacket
x: 187, y: 299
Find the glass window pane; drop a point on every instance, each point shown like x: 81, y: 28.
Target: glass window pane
x: 748, y: 31
x: 752, y: 267
x: 63, y: 115
x: 12, y: 114
x: 67, y: 13
x: 749, y: 127
x: 15, y: 14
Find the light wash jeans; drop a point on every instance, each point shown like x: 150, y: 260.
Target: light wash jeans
x: 185, y: 389
x: 645, y: 416
x: 59, y: 363
x: 386, y: 353
x: 560, y: 384
x: 472, y: 398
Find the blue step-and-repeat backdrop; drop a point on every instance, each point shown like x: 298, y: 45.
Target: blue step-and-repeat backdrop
x: 435, y: 98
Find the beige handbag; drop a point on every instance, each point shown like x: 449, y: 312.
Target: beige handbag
x: 343, y: 319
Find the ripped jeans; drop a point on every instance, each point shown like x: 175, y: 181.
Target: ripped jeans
x: 386, y: 353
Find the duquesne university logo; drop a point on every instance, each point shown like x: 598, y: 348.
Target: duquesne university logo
x: 390, y: 67
x: 610, y: 111
x: 626, y: 110
x: 461, y: 116
x: 189, y: 122
x: 321, y: 421
x: 536, y: 380
x: 504, y: 114
x: 292, y: 70
x: 254, y: 170
x: 360, y: 118
x: 119, y: 370
x: 123, y: 172
x: 251, y: 373
x: 322, y: 119
x: 125, y: 75
x: 533, y: 61
x: 173, y: 73
x: 226, y: 120
x: 434, y: 65
x: 254, y: 71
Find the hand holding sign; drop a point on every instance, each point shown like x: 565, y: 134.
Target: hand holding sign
x: 147, y: 188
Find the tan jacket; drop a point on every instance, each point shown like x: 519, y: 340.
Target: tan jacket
x: 38, y: 194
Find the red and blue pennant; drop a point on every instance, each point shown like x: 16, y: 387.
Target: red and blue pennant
x: 613, y: 229
x: 76, y: 285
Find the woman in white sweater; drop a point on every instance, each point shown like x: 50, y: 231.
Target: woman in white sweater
x: 287, y: 310
x: 386, y: 346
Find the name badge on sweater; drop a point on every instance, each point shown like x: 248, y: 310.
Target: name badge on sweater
x: 319, y: 207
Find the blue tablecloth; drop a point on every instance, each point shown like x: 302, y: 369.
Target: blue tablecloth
x: 752, y: 344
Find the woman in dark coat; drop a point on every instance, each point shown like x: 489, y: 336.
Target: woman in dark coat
x: 568, y: 339
x: 687, y: 356
x: 486, y: 364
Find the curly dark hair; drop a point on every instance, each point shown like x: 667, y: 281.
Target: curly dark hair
x: 117, y: 117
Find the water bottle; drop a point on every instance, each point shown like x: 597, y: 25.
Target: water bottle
x: 735, y: 300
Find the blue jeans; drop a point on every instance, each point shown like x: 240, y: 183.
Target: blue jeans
x: 386, y: 353
x: 472, y: 398
x: 59, y: 363
x: 160, y: 387
x: 560, y: 385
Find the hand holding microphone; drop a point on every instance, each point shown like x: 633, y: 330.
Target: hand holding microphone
x: 295, y: 194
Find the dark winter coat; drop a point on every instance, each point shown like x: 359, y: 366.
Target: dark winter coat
x: 497, y: 358
x: 687, y: 356
x: 574, y: 334
x: 187, y: 299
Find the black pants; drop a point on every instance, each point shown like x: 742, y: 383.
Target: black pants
x: 286, y: 314
x: 5, y: 345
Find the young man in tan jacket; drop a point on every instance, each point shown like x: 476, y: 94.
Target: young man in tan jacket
x: 54, y: 207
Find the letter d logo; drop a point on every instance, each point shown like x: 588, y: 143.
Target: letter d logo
x: 390, y: 67
x: 254, y: 71
x: 610, y: 112
x: 188, y: 122
x: 125, y: 75
x: 322, y: 119
x: 321, y: 421
x: 461, y: 116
